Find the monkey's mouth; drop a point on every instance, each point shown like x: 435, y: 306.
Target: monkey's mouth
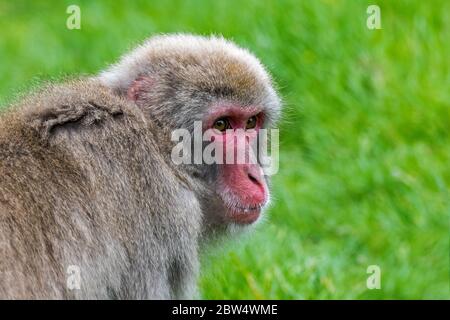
x: 244, y: 214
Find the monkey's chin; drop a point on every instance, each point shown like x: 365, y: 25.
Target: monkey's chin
x: 243, y: 216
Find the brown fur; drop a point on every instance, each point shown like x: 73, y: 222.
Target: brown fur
x: 76, y: 162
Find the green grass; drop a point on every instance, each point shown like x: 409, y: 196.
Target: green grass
x: 365, y: 146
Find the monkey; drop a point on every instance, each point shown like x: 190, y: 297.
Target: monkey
x: 91, y: 204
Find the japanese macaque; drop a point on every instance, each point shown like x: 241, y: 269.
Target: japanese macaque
x: 92, y: 205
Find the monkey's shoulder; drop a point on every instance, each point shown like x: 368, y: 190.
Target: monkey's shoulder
x: 77, y: 104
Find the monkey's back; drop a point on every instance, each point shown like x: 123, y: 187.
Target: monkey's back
x: 84, y: 183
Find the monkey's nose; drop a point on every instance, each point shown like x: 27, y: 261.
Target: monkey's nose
x: 254, y: 174
x: 253, y: 179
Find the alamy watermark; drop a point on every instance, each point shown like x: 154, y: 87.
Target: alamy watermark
x: 73, y: 277
x: 73, y: 22
x: 234, y: 146
x: 374, y: 17
x: 374, y: 280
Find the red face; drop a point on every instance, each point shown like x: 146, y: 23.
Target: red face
x: 241, y: 184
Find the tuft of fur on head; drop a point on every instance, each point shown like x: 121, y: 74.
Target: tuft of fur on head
x: 132, y: 65
x: 191, y: 64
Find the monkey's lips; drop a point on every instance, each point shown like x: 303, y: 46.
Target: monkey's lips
x: 244, y: 214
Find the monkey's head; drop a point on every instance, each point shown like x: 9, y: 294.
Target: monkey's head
x: 180, y: 79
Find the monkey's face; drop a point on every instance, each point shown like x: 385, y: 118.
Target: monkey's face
x: 178, y: 81
x: 238, y: 181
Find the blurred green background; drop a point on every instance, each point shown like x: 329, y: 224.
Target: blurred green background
x: 365, y: 146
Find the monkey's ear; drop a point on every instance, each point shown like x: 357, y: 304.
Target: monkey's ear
x: 139, y: 87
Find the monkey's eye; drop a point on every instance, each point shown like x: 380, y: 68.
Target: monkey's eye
x: 251, y: 123
x: 222, y: 124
